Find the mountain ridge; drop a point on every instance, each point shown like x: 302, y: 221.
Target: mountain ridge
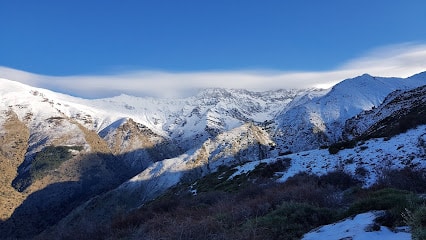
x: 144, y: 146
x: 322, y: 119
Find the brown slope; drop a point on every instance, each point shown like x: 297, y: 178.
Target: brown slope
x: 13, y: 145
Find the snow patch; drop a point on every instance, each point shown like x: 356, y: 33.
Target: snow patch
x: 356, y: 228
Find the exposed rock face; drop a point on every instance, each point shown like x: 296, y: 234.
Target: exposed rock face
x: 137, y: 146
x: 47, y: 179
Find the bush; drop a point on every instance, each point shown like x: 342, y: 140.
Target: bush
x: 259, y: 208
x: 362, y: 148
x: 336, y: 147
x: 361, y: 171
x: 290, y: 221
x: 265, y: 170
x: 405, y: 179
x: 338, y: 179
x: 312, y: 189
x: 392, y: 200
x: 333, y: 149
x: 416, y: 219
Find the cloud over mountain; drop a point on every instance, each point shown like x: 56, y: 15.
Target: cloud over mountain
x: 401, y: 60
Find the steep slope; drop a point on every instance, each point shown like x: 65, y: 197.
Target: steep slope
x: 367, y: 161
x: 158, y: 129
x: 14, y: 136
x: 400, y: 111
x: 195, y: 119
x: 239, y: 202
x: 58, y: 178
x: 243, y: 144
x: 137, y: 146
x: 71, y: 149
x: 320, y: 119
x: 51, y: 162
x: 186, y: 121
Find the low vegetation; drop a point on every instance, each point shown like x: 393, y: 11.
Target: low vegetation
x: 397, y: 123
x: 50, y: 158
x: 336, y: 147
x: 394, y: 201
x: 416, y: 219
x: 406, y: 179
x: 254, y: 206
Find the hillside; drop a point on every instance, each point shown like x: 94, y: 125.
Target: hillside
x: 66, y: 160
x: 400, y: 111
x: 319, y: 119
x: 60, y: 150
x: 243, y: 200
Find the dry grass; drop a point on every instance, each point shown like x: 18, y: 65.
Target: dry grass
x: 96, y: 143
x: 13, y: 146
x: 259, y: 209
x: 242, y: 214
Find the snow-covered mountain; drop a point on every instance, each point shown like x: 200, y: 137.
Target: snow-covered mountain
x: 143, y: 129
x: 89, y: 146
x: 318, y: 118
x: 131, y: 149
x: 400, y: 111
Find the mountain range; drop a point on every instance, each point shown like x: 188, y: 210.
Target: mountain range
x: 64, y: 160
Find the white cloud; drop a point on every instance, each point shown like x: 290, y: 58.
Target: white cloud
x: 400, y: 60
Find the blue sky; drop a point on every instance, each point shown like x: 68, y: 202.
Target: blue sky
x: 100, y: 38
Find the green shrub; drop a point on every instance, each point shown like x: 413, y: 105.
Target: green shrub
x: 50, y: 158
x: 290, y: 221
x: 416, y: 219
x: 219, y: 180
x: 392, y: 200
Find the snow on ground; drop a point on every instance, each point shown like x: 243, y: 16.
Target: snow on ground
x: 246, y: 168
x: 366, y: 161
x: 375, y: 156
x: 330, y: 111
x: 158, y: 177
x: 396, y: 102
x: 171, y: 168
x: 166, y: 117
x: 359, y: 227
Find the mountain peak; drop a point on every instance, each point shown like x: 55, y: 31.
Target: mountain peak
x: 421, y: 75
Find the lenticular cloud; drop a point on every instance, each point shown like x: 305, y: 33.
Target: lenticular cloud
x: 400, y: 60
